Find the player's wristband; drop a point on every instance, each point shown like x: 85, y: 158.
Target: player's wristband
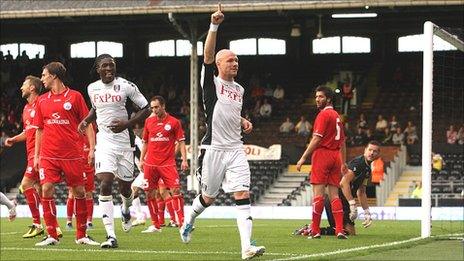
x: 352, y: 202
x: 213, y: 27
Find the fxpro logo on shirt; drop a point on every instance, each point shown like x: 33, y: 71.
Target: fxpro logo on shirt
x: 56, y: 119
x: 159, y: 137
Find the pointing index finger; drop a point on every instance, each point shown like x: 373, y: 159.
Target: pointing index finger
x: 219, y: 7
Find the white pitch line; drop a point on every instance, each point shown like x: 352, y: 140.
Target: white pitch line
x: 135, y: 251
x: 342, y: 251
x: 9, y: 233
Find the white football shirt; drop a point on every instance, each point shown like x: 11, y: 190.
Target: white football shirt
x: 109, y: 102
x: 222, y: 101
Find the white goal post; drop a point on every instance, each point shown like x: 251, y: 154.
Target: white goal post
x: 430, y: 30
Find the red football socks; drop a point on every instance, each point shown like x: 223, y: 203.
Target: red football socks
x: 81, y: 217
x: 337, y: 211
x: 178, y: 207
x: 318, y: 207
x: 153, y: 208
x: 161, y: 207
x: 33, y: 201
x: 49, y: 209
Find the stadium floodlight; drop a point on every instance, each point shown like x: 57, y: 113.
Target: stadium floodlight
x: 355, y: 15
x: 430, y: 30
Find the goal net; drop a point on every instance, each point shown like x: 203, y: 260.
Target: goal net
x: 442, y: 107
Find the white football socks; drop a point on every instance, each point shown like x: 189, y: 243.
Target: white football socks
x: 197, y: 209
x: 245, y: 224
x: 107, y: 209
x: 137, y: 207
x: 126, y: 203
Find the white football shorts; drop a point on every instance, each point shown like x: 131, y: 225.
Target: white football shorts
x: 118, y: 162
x: 228, y: 168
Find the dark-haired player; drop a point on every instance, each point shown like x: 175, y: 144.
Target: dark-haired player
x: 57, y: 151
x: 354, y: 182
x: 30, y: 90
x: 114, y: 155
x: 158, y: 159
x: 327, y: 147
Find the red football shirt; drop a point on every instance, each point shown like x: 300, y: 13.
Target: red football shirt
x: 29, y: 112
x: 329, y: 126
x: 161, y: 137
x: 58, y: 115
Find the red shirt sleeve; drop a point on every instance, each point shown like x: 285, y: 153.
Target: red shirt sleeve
x: 38, y: 118
x: 320, y: 124
x: 180, y: 136
x: 83, y: 111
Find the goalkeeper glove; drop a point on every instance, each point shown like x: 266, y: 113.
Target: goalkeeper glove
x: 353, y: 210
x: 367, y: 218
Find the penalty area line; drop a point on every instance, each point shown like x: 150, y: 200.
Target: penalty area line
x: 356, y: 249
x: 134, y: 251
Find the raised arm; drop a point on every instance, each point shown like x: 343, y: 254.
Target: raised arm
x: 210, y: 43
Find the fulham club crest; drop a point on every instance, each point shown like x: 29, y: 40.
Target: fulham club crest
x: 67, y: 106
x: 167, y: 127
x: 117, y: 87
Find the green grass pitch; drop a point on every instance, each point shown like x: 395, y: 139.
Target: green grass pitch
x: 218, y: 240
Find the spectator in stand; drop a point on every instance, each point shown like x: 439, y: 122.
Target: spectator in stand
x: 410, y: 129
x: 398, y: 137
x: 256, y: 111
x: 287, y: 126
x: 8, y: 56
x: 265, y: 110
x: 359, y: 138
x: 279, y: 93
x: 412, y: 187
x: 257, y: 91
x: 393, y: 124
x: 3, y: 139
x: 417, y: 193
x: 268, y: 91
x: 437, y: 162
x: 378, y: 171
x: 461, y: 135
x: 388, y: 137
x: 347, y: 95
x: 303, y: 127
x: 412, y: 138
x: 451, y: 135
x: 362, y: 122
x: 369, y: 135
x: 381, y: 124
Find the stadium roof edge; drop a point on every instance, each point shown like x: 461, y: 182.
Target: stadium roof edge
x: 16, y: 10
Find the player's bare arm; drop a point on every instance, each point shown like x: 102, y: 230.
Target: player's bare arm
x: 120, y: 125
x: 316, y: 139
x: 18, y: 138
x: 38, y: 142
x: 246, y: 125
x: 362, y: 196
x: 92, y: 116
x: 343, y: 158
x: 90, y: 133
x: 346, y: 190
x: 183, y: 154
x: 143, y: 152
x: 210, y: 44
